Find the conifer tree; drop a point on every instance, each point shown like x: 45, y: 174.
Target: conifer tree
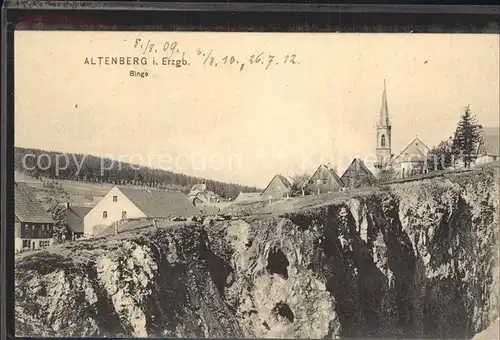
x: 466, y: 137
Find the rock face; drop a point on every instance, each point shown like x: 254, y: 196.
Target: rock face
x: 419, y: 259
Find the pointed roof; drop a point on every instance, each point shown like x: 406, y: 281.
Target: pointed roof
x: 416, y: 151
x: 357, y: 166
x: 384, y: 110
x: 286, y: 182
x: 79, y: 210
x: 358, y: 172
x: 332, y: 173
x: 160, y: 203
x: 27, y: 208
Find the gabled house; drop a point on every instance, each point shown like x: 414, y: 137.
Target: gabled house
x: 279, y: 187
x: 325, y: 180
x: 121, y: 203
x: 411, y: 161
x: 488, y: 148
x: 74, y: 216
x: 33, y: 226
x: 357, y: 175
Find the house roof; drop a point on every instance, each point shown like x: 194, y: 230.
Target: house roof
x: 160, y: 203
x: 286, y: 182
x: 27, y: 208
x: 197, y: 188
x: 416, y: 151
x: 79, y: 211
x: 332, y: 173
x: 247, y: 196
x: 74, y: 217
x: 357, y: 166
x: 335, y: 176
x: 490, y: 141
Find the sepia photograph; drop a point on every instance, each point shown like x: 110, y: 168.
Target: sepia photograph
x: 256, y: 185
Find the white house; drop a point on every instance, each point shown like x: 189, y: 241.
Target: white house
x: 488, y: 149
x: 412, y: 160
x: 122, y: 203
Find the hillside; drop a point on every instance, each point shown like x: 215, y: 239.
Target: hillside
x: 119, y: 173
x: 415, y: 260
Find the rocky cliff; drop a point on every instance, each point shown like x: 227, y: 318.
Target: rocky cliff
x: 416, y: 259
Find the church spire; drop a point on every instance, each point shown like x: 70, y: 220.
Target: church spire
x: 383, y: 146
x: 384, y: 111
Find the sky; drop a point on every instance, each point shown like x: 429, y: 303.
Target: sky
x: 245, y: 126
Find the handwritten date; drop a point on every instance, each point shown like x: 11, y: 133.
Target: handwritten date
x: 264, y: 59
x: 149, y: 47
x: 170, y: 49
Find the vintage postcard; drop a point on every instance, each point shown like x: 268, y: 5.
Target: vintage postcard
x: 256, y: 185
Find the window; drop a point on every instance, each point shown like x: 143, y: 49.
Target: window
x: 325, y: 181
x: 124, y: 215
x: 382, y: 141
x: 44, y: 244
x: 104, y: 214
x: 115, y: 198
x: 26, y: 243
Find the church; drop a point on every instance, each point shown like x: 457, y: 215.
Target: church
x: 410, y: 161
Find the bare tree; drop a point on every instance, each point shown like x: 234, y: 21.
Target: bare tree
x: 300, y: 185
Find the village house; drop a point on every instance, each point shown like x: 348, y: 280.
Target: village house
x: 247, y: 197
x: 325, y: 180
x: 279, y: 187
x: 357, y: 175
x: 74, y: 216
x: 488, y: 149
x: 122, y: 203
x: 196, y: 189
x: 205, y: 200
x: 411, y: 161
x: 200, y: 193
x: 33, y: 226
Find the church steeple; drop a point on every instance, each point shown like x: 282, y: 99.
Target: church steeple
x: 383, y: 145
x: 384, y: 110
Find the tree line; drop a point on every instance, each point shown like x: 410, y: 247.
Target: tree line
x: 95, y: 169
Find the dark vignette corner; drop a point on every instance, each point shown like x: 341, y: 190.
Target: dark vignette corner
x: 7, y: 178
